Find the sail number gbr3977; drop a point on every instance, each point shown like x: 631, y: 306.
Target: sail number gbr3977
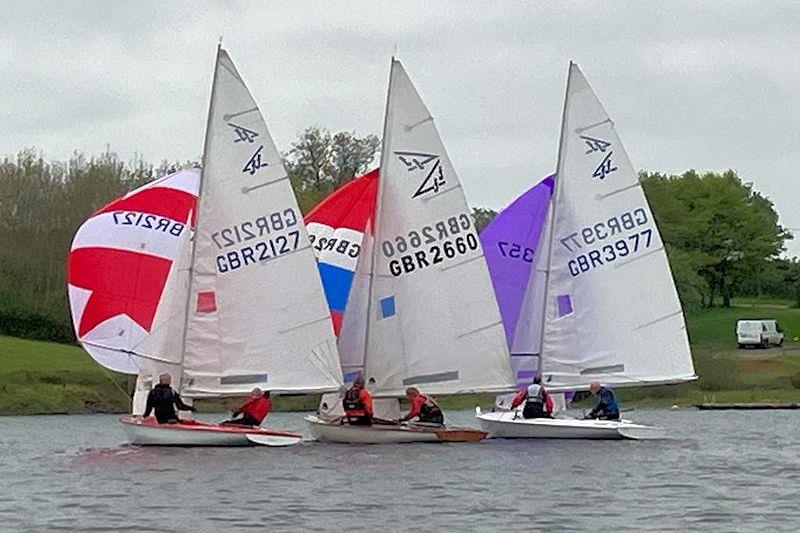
x: 430, y: 245
x: 255, y: 241
x: 607, y: 241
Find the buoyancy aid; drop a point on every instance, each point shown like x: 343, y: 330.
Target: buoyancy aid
x: 535, y: 393
x: 353, y: 404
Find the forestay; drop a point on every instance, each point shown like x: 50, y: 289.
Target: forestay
x: 511, y: 245
x: 612, y: 311
x: 128, y: 276
x: 257, y: 314
x: 433, y: 318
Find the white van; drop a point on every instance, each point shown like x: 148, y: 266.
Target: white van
x: 763, y: 333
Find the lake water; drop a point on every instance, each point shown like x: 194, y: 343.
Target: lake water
x: 721, y: 471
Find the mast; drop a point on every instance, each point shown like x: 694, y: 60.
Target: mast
x: 203, y: 166
x: 552, y: 218
x: 378, y: 202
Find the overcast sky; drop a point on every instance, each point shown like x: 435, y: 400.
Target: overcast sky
x: 703, y: 85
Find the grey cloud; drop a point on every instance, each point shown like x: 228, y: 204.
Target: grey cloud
x: 708, y: 85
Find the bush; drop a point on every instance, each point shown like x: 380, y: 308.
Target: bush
x: 31, y: 324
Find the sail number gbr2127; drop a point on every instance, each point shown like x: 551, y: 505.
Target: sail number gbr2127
x: 430, y: 245
x: 256, y: 241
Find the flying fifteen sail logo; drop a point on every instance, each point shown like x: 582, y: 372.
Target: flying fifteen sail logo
x: 606, y: 166
x: 594, y: 144
x: 415, y: 161
x: 246, y: 135
x: 255, y: 162
x: 243, y: 134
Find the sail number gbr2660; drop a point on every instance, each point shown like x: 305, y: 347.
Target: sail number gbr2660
x: 255, y: 241
x: 430, y: 245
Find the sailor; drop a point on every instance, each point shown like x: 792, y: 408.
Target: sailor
x: 538, y: 402
x: 253, y: 411
x: 357, y: 403
x: 424, y: 408
x: 605, y: 403
x: 163, y: 399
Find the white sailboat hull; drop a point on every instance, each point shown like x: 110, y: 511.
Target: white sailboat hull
x: 503, y: 424
x: 150, y: 433
x: 388, y: 434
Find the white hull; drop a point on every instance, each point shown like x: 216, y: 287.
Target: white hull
x: 148, y: 433
x: 377, y: 434
x: 388, y: 434
x: 502, y: 424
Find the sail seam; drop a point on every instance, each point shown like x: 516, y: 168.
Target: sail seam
x: 657, y: 320
x: 131, y: 352
x: 499, y: 322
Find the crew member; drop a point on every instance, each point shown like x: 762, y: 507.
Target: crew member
x: 253, y: 411
x: 163, y: 399
x: 538, y: 402
x: 605, y: 403
x: 422, y: 407
x: 357, y: 404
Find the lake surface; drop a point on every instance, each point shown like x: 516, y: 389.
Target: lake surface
x: 721, y: 471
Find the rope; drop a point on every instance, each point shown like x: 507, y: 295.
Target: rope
x: 107, y: 373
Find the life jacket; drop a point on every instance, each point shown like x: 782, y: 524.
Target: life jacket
x: 608, y: 397
x: 353, y: 406
x: 258, y: 408
x: 428, y: 408
x: 535, y: 393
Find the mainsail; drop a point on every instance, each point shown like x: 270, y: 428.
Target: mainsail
x: 511, y: 245
x: 433, y: 321
x: 256, y: 313
x: 611, y: 309
x: 127, y: 276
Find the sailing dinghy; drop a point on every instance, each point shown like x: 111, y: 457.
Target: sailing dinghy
x: 600, y: 304
x: 238, y: 305
x: 421, y: 310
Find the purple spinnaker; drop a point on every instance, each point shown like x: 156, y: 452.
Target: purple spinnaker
x: 509, y: 244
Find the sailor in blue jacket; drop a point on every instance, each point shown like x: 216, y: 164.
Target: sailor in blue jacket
x: 605, y: 403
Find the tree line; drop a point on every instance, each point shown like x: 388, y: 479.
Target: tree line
x: 722, y: 237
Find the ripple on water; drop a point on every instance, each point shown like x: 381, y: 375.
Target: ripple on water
x: 723, y: 472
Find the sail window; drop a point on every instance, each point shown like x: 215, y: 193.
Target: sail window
x: 206, y: 302
x: 387, y: 307
x: 431, y: 378
x: 251, y: 379
x: 564, y: 305
x: 610, y: 369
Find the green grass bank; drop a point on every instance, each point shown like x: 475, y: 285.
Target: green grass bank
x: 46, y: 378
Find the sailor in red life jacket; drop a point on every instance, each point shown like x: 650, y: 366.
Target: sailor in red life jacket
x: 357, y: 403
x: 253, y: 411
x: 422, y: 407
x: 538, y: 402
